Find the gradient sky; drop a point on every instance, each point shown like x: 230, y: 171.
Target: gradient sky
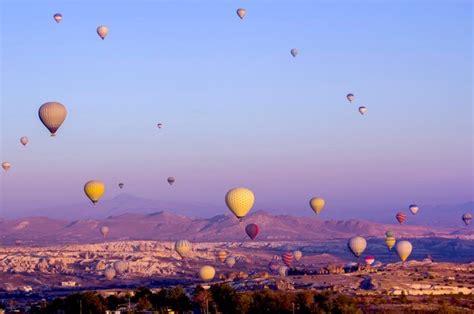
x: 237, y: 109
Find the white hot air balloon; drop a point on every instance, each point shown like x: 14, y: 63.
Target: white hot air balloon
x: 362, y: 110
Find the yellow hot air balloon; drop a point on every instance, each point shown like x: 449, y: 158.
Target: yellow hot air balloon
x: 52, y: 114
x: 94, y: 190
x: 404, y: 249
x: 183, y: 248
x: 240, y: 201
x: 102, y: 31
x: 6, y: 165
x: 221, y: 255
x: 357, y: 245
x: 390, y: 242
x: 207, y: 273
x: 317, y: 204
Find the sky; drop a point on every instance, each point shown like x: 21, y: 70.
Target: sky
x: 237, y: 108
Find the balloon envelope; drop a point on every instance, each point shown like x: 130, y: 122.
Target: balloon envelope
x: 369, y: 260
x: 94, y: 190
x: 287, y: 258
x: 298, y: 255
x: 273, y: 266
x: 171, y: 180
x: 404, y: 249
x: 362, y: 109
x: 357, y: 245
x: 241, y: 12
x: 240, y: 201
x: 104, y: 230
x: 110, y: 273
x: 6, y: 165
x: 52, y: 115
x: 102, y: 31
x: 121, y: 185
x: 467, y: 218
x: 207, y: 273
x: 120, y: 267
x: 401, y: 217
x: 252, y: 231
x: 24, y: 140
x: 390, y: 242
x: 389, y: 233
x: 58, y: 17
x: 183, y: 248
x: 317, y: 204
x: 350, y: 97
x: 413, y: 209
x: 159, y: 125
x: 221, y: 255
x: 230, y: 261
x: 294, y: 52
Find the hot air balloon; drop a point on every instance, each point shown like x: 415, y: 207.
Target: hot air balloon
x: 94, y: 190
x: 369, y: 260
x: 401, y: 217
x: 252, y: 231
x: 230, y: 261
x: 24, y: 140
x: 390, y: 242
x: 389, y: 233
x: 104, y: 230
x: 240, y: 201
x: 404, y: 249
x: 6, y: 165
x: 273, y: 266
x: 110, y: 273
x: 159, y: 125
x: 317, y: 204
x: 58, y: 17
x: 183, y: 247
x: 171, y: 180
x: 467, y: 218
x: 283, y: 271
x: 413, y: 209
x: 207, y: 273
x: 350, y: 97
x: 241, y: 13
x: 298, y: 255
x: 52, y: 114
x: 362, y: 109
x: 287, y: 258
x: 294, y: 52
x: 221, y: 255
x: 120, y: 267
x: 121, y: 185
x: 357, y: 245
x: 102, y: 31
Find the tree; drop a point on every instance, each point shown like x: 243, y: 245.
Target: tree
x: 225, y: 298
x: 202, y: 298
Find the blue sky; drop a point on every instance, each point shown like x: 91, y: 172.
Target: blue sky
x: 237, y: 109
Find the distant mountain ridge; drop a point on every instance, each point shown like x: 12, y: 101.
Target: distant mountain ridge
x: 163, y: 225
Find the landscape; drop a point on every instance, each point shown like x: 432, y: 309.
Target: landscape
x: 220, y: 157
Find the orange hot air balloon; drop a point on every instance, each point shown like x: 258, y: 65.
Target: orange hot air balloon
x: 102, y: 31
x: 401, y: 217
x: 6, y: 165
x: 52, y: 114
x: 241, y: 12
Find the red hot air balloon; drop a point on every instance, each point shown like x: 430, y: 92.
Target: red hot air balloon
x: 252, y: 231
x: 369, y: 260
x: 401, y: 217
x: 287, y: 258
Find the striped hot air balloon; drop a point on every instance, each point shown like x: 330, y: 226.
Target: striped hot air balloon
x: 287, y: 258
x: 183, y: 248
x: 390, y: 242
x: 401, y: 217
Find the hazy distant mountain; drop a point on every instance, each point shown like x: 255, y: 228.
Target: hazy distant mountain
x: 164, y: 225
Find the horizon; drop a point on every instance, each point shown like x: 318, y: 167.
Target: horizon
x: 237, y: 108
